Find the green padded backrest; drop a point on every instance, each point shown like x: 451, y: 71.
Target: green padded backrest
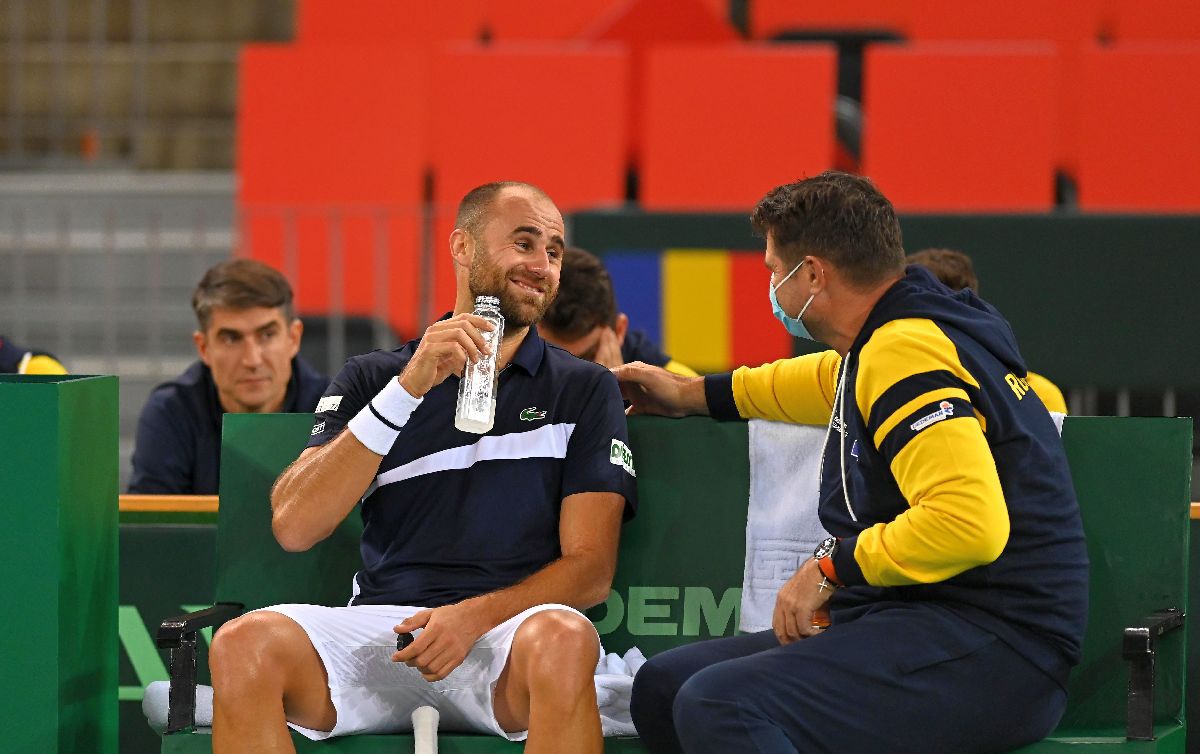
x: 679, y: 574
x: 251, y: 566
x: 1133, y: 480
x: 681, y: 561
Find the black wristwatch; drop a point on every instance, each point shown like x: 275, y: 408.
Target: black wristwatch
x: 824, y: 557
x: 826, y: 548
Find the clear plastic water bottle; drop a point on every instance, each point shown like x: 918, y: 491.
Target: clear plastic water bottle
x: 476, y: 411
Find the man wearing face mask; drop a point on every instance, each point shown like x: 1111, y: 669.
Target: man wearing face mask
x: 956, y: 576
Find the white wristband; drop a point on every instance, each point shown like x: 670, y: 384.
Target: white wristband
x: 379, y: 422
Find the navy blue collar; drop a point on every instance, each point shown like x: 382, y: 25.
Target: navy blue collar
x: 531, y: 351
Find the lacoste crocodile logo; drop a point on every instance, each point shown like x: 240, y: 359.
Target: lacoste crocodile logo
x: 532, y: 414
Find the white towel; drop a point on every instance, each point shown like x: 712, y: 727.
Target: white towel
x: 154, y: 706
x: 1057, y: 418
x: 614, y: 686
x: 782, y: 527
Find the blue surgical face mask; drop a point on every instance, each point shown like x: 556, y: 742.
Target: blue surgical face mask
x: 795, y: 326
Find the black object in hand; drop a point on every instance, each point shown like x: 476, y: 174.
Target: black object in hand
x: 403, y: 640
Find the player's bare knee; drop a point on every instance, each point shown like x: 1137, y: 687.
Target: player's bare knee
x: 560, y: 647
x: 248, y: 647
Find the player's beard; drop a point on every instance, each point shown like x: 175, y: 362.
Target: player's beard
x: 518, y: 310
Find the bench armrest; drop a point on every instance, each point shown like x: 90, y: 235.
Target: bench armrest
x: 1139, y: 648
x: 178, y: 634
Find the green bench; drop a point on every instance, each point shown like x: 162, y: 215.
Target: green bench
x: 680, y: 572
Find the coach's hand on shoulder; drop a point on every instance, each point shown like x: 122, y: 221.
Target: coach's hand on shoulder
x: 797, y: 602
x: 445, y: 349
x: 654, y: 390
x: 449, y: 633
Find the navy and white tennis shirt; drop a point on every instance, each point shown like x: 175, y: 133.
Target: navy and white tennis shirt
x: 453, y: 514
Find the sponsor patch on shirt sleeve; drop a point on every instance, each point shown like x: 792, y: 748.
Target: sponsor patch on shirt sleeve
x: 945, y: 411
x: 329, y: 403
x: 621, y: 455
x: 318, y: 428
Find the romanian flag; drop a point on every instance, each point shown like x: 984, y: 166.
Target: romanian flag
x: 707, y: 308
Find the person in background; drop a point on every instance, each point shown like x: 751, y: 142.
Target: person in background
x: 15, y: 359
x: 247, y: 338
x: 956, y: 271
x: 584, y: 319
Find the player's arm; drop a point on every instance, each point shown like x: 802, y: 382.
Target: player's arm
x: 598, y: 486
x: 320, y: 488
x: 589, y: 530
x: 916, y: 395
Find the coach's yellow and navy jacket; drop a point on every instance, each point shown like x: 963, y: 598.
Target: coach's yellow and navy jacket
x: 956, y: 483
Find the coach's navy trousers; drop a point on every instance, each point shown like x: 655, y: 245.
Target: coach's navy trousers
x: 905, y: 677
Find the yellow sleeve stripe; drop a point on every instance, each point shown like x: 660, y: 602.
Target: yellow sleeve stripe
x: 675, y: 367
x: 42, y: 365
x: 798, y: 390
x: 1047, y: 391
x: 957, y: 517
x: 906, y: 410
x: 900, y: 349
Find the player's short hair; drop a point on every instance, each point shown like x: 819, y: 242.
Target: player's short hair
x: 585, y: 297
x: 241, y: 284
x: 953, y: 268
x: 835, y: 215
x: 473, y: 209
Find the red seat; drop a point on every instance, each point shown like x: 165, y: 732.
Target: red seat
x: 553, y: 115
x: 768, y: 18
x: 388, y: 21
x: 987, y: 20
x: 1154, y: 20
x: 545, y: 19
x: 332, y: 152
x: 643, y: 25
x: 936, y: 19
x: 723, y: 124
x: 556, y: 20
x: 1141, y: 115
x: 961, y: 127
x: 1069, y: 25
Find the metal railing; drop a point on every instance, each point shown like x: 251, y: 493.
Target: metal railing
x: 89, y: 83
x: 99, y: 269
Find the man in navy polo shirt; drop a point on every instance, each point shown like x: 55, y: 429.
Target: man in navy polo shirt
x: 485, y: 547
x: 248, y: 337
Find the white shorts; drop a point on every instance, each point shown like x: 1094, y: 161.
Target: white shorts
x: 372, y: 694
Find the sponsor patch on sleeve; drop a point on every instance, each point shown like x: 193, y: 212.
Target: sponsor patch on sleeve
x: 329, y: 403
x: 945, y: 411
x: 318, y: 428
x: 621, y: 455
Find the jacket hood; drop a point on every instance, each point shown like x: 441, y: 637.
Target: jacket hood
x: 920, y: 295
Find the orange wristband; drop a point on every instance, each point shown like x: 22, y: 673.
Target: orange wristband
x: 826, y: 566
